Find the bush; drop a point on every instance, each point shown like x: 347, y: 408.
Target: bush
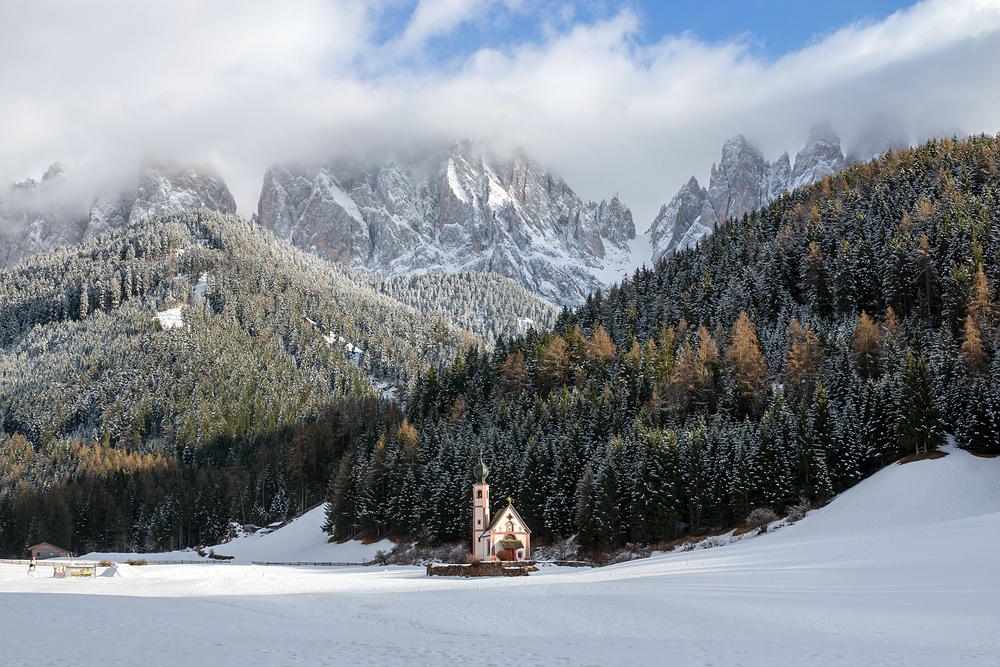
x: 137, y: 561
x: 798, y: 510
x: 760, y: 517
x: 104, y: 563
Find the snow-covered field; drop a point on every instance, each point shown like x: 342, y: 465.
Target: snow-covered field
x: 901, y: 570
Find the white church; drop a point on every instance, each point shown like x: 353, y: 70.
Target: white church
x: 505, y: 537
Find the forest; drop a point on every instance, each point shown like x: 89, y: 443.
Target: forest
x: 794, y: 352
x: 118, y: 431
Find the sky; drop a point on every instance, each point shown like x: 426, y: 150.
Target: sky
x: 627, y: 98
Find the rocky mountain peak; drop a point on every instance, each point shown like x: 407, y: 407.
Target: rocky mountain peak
x: 741, y: 182
x: 822, y: 155
x: 167, y: 187
x: 56, y: 170
x: 460, y: 208
x: 688, y: 217
x: 35, y: 216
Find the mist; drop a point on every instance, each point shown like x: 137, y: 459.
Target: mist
x: 244, y: 84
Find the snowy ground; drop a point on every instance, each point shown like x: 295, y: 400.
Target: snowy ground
x: 900, y: 570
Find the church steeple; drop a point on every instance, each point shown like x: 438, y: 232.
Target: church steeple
x: 480, y: 508
x: 480, y: 472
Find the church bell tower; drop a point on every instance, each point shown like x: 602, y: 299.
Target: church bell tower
x: 480, y: 509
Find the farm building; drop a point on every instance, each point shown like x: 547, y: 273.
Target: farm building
x: 45, y: 550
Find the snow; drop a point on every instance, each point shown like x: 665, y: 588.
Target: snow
x: 201, y: 285
x: 621, y: 263
x: 900, y: 570
x: 171, y: 317
x: 454, y: 184
x: 123, y: 571
x: 300, y: 540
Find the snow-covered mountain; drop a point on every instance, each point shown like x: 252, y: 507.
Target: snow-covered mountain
x: 33, y: 219
x: 461, y: 209
x: 744, y: 181
x: 38, y: 216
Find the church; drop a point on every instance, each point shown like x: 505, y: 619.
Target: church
x: 505, y: 537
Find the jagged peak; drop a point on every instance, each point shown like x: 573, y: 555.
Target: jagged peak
x: 822, y: 132
x: 56, y: 170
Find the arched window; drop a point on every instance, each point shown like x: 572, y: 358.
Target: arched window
x: 479, y: 493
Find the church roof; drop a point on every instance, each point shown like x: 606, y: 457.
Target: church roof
x: 500, y: 515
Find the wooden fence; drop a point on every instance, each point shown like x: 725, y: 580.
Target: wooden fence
x: 303, y: 563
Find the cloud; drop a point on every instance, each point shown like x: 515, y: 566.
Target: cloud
x: 245, y: 83
x: 433, y: 18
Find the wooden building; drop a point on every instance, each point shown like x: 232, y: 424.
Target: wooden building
x: 44, y: 550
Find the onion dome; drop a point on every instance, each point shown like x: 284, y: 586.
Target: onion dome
x: 480, y: 472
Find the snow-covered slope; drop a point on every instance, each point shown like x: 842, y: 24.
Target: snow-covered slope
x: 914, y: 494
x: 900, y: 570
x: 300, y: 540
x: 458, y: 210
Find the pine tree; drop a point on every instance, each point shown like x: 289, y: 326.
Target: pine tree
x: 920, y: 426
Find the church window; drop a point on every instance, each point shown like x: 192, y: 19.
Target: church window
x: 479, y: 493
x: 510, y: 526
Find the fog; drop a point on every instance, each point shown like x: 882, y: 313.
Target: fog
x: 244, y: 84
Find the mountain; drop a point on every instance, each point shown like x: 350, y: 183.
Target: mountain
x: 792, y: 353
x: 34, y: 217
x: 37, y: 217
x: 743, y: 181
x: 461, y: 209
x: 195, y: 340
x: 199, y: 340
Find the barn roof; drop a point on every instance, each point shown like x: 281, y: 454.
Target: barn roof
x: 47, y: 544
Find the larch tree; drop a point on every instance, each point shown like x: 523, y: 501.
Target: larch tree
x: 746, y: 364
x: 866, y: 346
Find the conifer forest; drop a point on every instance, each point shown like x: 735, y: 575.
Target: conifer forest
x: 794, y: 352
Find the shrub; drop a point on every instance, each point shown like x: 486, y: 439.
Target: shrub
x: 760, y: 517
x: 137, y: 561
x: 798, y: 510
x: 104, y: 563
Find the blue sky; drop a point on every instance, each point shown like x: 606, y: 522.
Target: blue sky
x: 768, y: 28
x: 598, y: 91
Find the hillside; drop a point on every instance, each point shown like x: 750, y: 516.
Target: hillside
x: 152, y: 380
x: 790, y: 355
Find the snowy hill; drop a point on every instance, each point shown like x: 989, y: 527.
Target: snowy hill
x: 899, y: 570
x: 923, y: 492
x: 302, y: 539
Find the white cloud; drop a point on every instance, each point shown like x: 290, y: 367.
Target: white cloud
x: 248, y: 83
x: 433, y: 18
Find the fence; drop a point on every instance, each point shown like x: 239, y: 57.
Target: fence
x: 301, y: 563
x: 87, y: 563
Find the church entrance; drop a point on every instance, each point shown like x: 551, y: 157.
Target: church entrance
x: 508, y: 546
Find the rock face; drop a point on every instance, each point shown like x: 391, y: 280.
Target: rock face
x: 821, y: 156
x: 165, y: 187
x: 742, y: 182
x: 38, y: 216
x: 34, y: 218
x: 457, y: 210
